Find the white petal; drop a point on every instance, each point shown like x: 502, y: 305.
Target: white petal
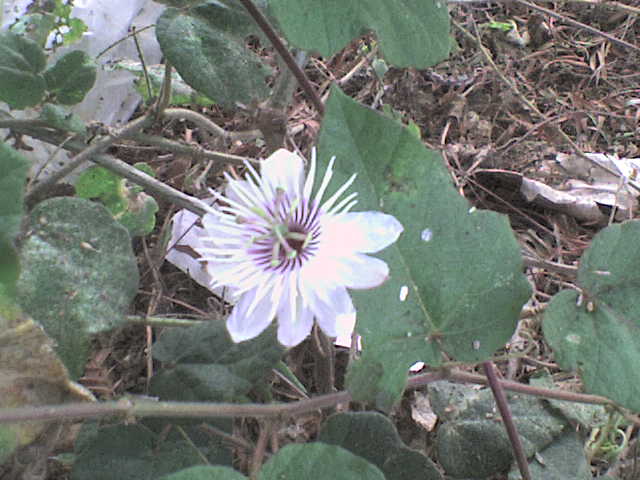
x: 344, y: 326
x: 284, y: 169
x: 365, y: 232
x: 328, y: 313
x: 355, y: 270
x: 294, y: 325
x: 210, y: 222
x: 243, y: 327
x: 360, y: 271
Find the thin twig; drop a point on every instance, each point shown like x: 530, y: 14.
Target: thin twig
x: 142, y: 62
x: 261, y: 449
x: 164, y: 99
x: 116, y: 43
x: 549, y: 265
x: 156, y: 321
x: 466, y: 377
x: 275, y: 40
x: 507, y: 419
x: 150, y: 184
x: 130, y: 407
x: 575, y: 23
x: 196, y: 151
x: 87, y: 153
x: 211, y: 127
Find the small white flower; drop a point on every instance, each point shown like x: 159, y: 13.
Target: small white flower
x: 285, y: 254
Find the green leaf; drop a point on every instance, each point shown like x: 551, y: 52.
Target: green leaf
x: 108, y: 187
x: 71, y: 78
x: 318, y: 461
x: 21, y: 61
x: 128, y: 204
x: 206, y: 473
x: 472, y: 441
x: 140, y: 217
x: 412, y: 33
x: 181, y: 93
x: 202, y: 363
x: 456, y: 283
x: 134, y: 452
x: 76, y: 28
x: 13, y: 177
x: 60, y: 117
x: 373, y: 437
x: 206, y: 46
x: 79, y: 274
x: 597, y: 333
x: 36, y: 26
x: 563, y: 459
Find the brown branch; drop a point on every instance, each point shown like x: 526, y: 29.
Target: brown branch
x: 275, y: 40
x: 507, y: 419
x: 133, y: 407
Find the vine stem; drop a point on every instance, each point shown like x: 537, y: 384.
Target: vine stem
x: 136, y: 407
x: 150, y: 184
x: 90, y: 151
x: 507, y: 419
x: 288, y: 59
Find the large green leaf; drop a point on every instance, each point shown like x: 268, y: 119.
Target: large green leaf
x: 456, y: 283
x: 372, y: 436
x: 134, y: 452
x: 21, y: 61
x: 597, y: 333
x: 318, y: 461
x: 79, y: 274
x: 71, y: 78
x: 202, y: 363
x: 411, y: 32
x: 206, y: 45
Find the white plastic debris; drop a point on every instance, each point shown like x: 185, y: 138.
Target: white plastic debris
x: 113, y: 99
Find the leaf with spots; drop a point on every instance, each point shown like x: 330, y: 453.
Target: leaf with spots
x: 78, y: 276
x: 597, y: 332
x: 456, y: 285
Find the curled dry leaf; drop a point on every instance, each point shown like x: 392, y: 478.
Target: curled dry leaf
x: 31, y: 374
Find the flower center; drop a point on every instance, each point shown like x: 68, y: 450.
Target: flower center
x: 289, y: 243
